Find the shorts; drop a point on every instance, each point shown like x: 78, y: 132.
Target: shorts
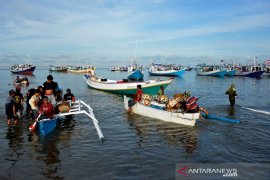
x: 131, y: 103
x: 10, y: 115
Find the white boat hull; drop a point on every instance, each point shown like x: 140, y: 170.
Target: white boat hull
x: 150, y: 87
x: 188, y: 119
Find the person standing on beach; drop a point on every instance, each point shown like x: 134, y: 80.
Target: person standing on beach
x: 10, y: 108
x: 49, y: 88
x: 232, y: 94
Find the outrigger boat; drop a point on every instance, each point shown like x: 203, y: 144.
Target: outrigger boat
x: 46, y: 126
x: 156, y: 111
x: 124, y: 86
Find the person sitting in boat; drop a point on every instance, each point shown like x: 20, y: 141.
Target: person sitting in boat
x: 49, y: 88
x: 69, y: 96
x: 18, y: 80
x: 46, y: 108
x: 137, y: 98
x: 161, y: 91
x: 34, y: 102
x: 232, y: 94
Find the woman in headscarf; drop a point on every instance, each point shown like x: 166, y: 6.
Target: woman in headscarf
x: 232, y: 94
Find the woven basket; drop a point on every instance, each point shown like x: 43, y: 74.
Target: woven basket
x: 64, y: 107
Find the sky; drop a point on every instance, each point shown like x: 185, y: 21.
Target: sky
x: 114, y: 31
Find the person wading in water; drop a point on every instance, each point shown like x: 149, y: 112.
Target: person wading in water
x: 49, y: 88
x: 232, y: 94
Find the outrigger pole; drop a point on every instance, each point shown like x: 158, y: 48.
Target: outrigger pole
x: 76, y: 109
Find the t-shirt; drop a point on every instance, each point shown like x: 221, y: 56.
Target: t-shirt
x: 34, y: 102
x: 69, y: 97
x: 138, y: 95
x: 52, y: 85
x: 47, y: 109
x: 18, y: 98
x: 9, y: 104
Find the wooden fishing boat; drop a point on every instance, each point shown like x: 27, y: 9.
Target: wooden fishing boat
x: 204, y: 70
x: 46, y: 126
x: 25, y: 69
x: 249, y: 71
x: 117, y: 68
x: 230, y: 72
x: 54, y: 68
x: 125, y: 86
x: 156, y: 112
x: 80, y: 69
x: 165, y: 70
x: 136, y: 75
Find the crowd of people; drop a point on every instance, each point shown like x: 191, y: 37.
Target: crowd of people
x: 40, y: 101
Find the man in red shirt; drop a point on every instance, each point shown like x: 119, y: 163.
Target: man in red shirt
x: 137, y: 98
x: 47, y: 108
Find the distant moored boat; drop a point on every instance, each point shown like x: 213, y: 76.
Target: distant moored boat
x: 22, y: 69
x: 204, y: 70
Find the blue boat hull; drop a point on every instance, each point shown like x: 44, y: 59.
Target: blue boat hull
x: 46, y: 126
x: 136, y: 75
x: 230, y: 72
x: 179, y: 73
x: 253, y: 74
x: 26, y: 71
x: 209, y: 116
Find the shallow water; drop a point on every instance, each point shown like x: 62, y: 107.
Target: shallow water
x: 137, y: 147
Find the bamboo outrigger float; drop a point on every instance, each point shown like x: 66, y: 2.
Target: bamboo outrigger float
x: 45, y: 126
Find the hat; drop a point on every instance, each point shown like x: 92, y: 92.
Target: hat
x: 11, y: 91
x: 18, y: 88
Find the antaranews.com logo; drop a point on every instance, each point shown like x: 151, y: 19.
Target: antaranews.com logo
x: 222, y: 170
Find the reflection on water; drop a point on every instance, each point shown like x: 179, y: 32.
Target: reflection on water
x: 46, y: 148
x: 173, y: 134
x: 15, y: 141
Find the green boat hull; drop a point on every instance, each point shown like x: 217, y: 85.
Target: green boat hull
x: 153, y: 90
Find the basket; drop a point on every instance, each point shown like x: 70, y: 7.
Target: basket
x: 64, y: 107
